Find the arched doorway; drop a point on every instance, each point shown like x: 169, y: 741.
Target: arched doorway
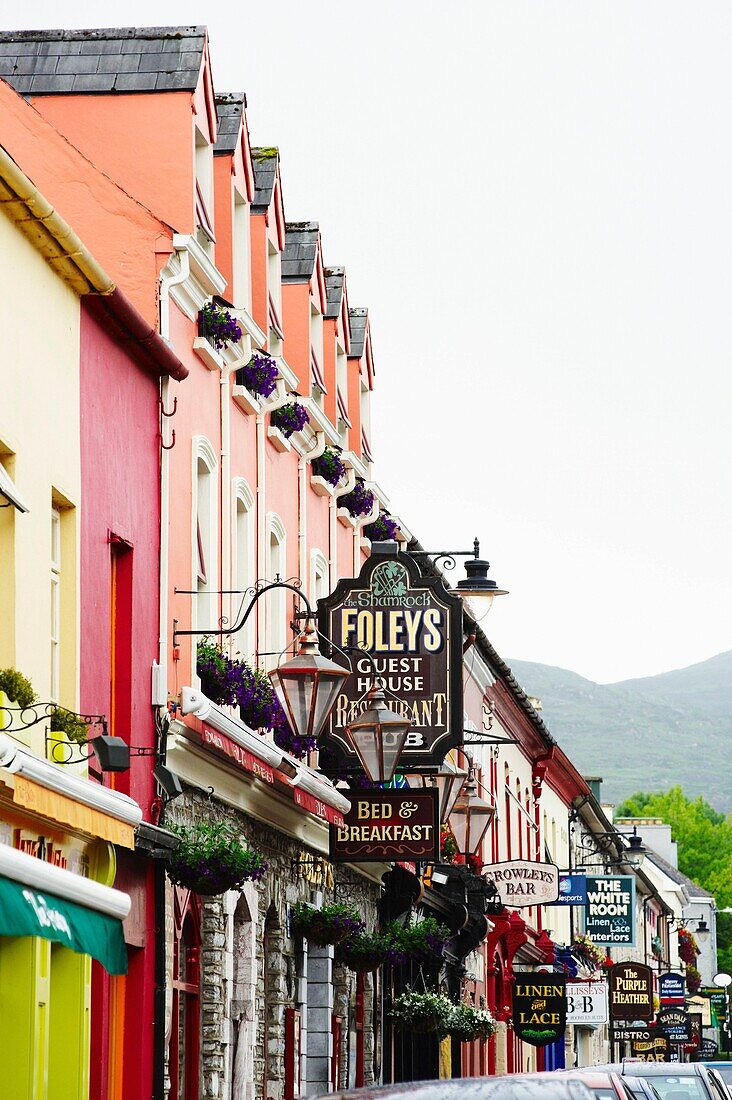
x: 184, y: 1046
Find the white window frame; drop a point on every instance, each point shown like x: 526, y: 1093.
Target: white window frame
x: 55, y: 571
x: 242, y: 252
x: 204, y: 608
x: 276, y: 634
x: 243, y: 563
x: 319, y: 576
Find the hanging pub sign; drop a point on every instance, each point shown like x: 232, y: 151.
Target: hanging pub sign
x: 411, y: 626
x: 539, y: 1010
x: 675, y: 1023
x: 587, y: 1003
x: 382, y: 826
x: 631, y: 991
x: 572, y: 890
x: 707, y: 1048
x: 671, y: 988
x: 520, y: 882
x: 717, y: 999
x: 653, y: 1049
x: 610, y: 910
x: 633, y: 1033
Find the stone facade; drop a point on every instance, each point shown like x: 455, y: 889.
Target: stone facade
x: 253, y: 970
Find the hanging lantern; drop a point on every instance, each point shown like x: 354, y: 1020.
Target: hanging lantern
x: 378, y: 736
x: 449, y: 782
x: 307, y: 686
x: 470, y: 818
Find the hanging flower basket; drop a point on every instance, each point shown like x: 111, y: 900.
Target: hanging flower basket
x: 422, y: 942
x: 383, y: 529
x: 688, y: 947
x: 467, y: 1023
x: 330, y: 924
x: 290, y: 418
x: 330, y: 466
x: 210, y: 859
x: 367, y: 951
x: 218, y: 326
x: 259, y: 375
x: 587, y: 953
x: 422, y: 1012
x: 693, y: 980
x: 359, y: 501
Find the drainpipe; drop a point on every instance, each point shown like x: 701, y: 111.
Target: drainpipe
x: 360, y: 523
x: 333, y: 510
x: 160, y: 688
x: 302, y: 481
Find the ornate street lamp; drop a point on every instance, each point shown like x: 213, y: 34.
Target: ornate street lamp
x: 477, y: 590
x: 307, y: 686
x: 378, y: 736
x: 470, y: 817
x: 449, y: 782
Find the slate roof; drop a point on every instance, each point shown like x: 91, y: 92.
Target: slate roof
x: 229, y: 109
x: 334, y: 282
x: 301, y: 249
x: 692, y: 888
x: 357, y: 318
x: 265, y: 171
x: 126, y: 59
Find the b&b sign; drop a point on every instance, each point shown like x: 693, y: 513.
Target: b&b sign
x: 587, y: 1003
x: 388, y: 825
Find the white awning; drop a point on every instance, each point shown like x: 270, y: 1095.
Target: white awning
x: 8, y: 490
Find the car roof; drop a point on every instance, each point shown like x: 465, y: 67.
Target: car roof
x: 535, y: 1086
x: 671, y: 1069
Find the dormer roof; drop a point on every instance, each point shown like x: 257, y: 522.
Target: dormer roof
x: 229, y: 110
x: 264, y: 160
x: 358, y: 318
x: 126, y: 59
x: 334, y: 284
x: 301, y: 251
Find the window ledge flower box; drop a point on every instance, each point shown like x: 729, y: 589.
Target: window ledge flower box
x: 346, y: 518
x: 246, y: 400
x: 321, y: 487
x: 207, y: 353
x: 278, y: 440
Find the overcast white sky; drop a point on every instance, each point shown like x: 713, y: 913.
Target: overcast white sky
x: 534, y: 201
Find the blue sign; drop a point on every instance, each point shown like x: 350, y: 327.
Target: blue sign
x: 572, y: 890
x: 671, y: 987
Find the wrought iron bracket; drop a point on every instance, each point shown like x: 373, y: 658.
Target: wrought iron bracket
x: 14, y: 718
x: 256, y: 592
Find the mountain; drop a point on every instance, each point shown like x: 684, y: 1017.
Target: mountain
x: 647, y: 734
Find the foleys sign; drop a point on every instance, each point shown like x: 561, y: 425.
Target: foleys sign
x: 631, y: 992
x: 411, y: 628
x: 610, y: 910
x: 388, y: 825
x: 521, y: 883
x: 539, y: 1007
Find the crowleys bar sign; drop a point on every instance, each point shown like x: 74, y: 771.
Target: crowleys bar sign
x: 388, y: 825
x: 520, y: 882
x: 411, y: 626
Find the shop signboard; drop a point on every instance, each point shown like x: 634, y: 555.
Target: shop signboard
x: 653, y: 1049
x: 633, y: 1033
x: 717, y: 999
x: 631, y: 991
x: 707, y: 1048
x: 675, y: 1023
x: 610, y: 910
x: 701, y: 1006
x: 587, y: 1003
x: 520, y: 882
x: 539, y: 1010
x: 386, y: 825
x: 411, y: 629
x: 671, y: 988
x: 572, y: 890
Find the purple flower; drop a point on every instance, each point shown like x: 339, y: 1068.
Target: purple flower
x: 359, y: 501
x: 383, y: 529
x: 330, y: 466
x: 218, y: 326
x: 290, y: 418
x: 260, y: 374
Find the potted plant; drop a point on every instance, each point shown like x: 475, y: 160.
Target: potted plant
x: 66, y: 722
x: 367, y: 951
x: 693, y: 980
x: 359, y: 501
x: 17, y: 687
x: 688, y: 947
x: 330, y: 466
x: 422, y: 1012
x: 329, y: 924
x: 289, y: 418
x: 467, y: 1023
x: 210, y: 859
x: 422, y: 942
x: 383, y: 529
x: 587, y: 953
x: 217, y: 325
x: 259, y: 375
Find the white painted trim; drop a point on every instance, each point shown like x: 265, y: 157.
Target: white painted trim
x: 207, y: 353
x: 250, y: 326
x: 38, y: 875
x: 10, y: 492
x: 318, y: 564
x: 55, y: 777
x: 320, y: 422
x: 308, y: 781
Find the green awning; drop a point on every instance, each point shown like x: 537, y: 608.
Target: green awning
x: 26, y: 912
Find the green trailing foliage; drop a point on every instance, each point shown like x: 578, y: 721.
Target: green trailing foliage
x: 17, y: 687
x: 68, y: 723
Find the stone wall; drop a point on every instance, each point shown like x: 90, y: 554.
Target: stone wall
x: 252, y: 969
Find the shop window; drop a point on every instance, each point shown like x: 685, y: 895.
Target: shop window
x: 183, y: 1054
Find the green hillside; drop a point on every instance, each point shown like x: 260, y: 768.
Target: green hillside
x: 648, y: 734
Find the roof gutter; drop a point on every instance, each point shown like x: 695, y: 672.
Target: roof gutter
x: 72, y: 261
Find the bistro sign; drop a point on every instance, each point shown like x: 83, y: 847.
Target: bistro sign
x: 520, y: 882
x: 388, y: 825
x: 411, y: 628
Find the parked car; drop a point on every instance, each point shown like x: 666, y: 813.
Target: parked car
x: 673, y: 1080
x: 724, y: 1069
x: 605, y: 1084
x: 534, y: 1086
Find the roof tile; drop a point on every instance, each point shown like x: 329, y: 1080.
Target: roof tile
x: 136, y: 82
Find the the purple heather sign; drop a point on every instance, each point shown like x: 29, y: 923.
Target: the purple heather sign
x: 382, y: 826
x: 411, y: 626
